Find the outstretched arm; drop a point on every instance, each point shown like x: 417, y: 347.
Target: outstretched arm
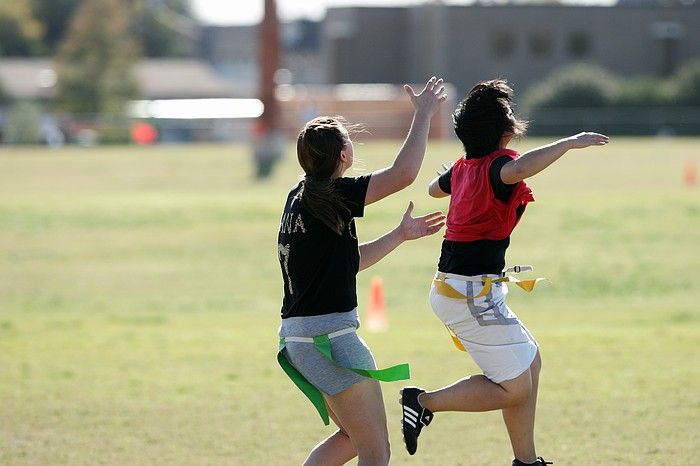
x: 409, y: 228
x: 404, y: 170
x: 536, y: 160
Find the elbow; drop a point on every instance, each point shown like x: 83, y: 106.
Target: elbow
x: 514, y: 173
x: 434, y: 189
x: 410, y: 178
x: 405, y: 178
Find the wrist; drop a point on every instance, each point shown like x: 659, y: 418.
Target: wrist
x: 569, y: 143
x: 398, y: 234
x: 422, y: 114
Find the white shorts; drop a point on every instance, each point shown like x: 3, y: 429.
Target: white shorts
x: 494, y: 336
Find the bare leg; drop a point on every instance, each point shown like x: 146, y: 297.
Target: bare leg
x: 520, y: 419
x: 359, y: 412
x: 517, y: 398
x: 478, y: 393
x: 337, y: 449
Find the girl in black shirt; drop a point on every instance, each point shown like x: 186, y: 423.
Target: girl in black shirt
x: 319, y: 257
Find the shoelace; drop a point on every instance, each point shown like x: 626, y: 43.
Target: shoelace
x: 541, y: 460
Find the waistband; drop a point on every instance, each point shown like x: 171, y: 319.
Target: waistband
x: 344, y: 331
x: 480, y: 278
x: 311, y: 326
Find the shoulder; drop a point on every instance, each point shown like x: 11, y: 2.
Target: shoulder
x: 352, y: 182
x: 294, y: 190
x: 510, y: 154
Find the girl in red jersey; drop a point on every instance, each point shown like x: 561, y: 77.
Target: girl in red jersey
x: 488, y: 198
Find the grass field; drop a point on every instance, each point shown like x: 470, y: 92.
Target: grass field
x: 140, y: 291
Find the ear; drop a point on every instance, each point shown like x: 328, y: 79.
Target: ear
x: 343, y: 156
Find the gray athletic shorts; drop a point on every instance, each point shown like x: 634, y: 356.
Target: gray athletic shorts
x: 348, y: 350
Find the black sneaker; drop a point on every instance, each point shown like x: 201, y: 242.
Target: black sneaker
x: 540, y: 462
x: 414, y: 417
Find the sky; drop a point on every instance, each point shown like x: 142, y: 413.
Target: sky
x: 226, y: 12
x: 240, y: 12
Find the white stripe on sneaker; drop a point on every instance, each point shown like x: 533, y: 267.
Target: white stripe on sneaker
x: 410, y: 416
x: 412, y: 411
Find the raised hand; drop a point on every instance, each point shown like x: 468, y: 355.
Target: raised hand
x: 581, y: 140
x: 429, y: 99
x: 414, y: 228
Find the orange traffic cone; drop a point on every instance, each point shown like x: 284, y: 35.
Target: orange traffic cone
x: 690, y: 174
x: 376, y: 320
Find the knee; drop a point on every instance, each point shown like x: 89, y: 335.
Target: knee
x: 519, y: 395
x: 379, y: 454
x: 519, y: 390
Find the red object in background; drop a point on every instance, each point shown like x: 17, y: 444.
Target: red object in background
x: 144, y: 133
x: 376, y: 319
x: 690, y: 177
x: 259, y: 128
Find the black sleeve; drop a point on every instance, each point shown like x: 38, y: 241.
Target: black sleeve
x: 354, y: 191
x: 445, y: 181
x: 501, y: 190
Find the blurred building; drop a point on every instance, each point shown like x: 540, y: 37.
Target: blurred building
x: 185, y: 98
x: 35, y: 79
x: 354, y: 60
x: 467, y: 43
x: 521, y: 42
x: 233, y: 51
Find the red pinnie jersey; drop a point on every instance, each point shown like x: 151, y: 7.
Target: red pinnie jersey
x: 475, y: 213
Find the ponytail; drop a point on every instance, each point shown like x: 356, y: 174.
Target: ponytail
x: 321, y: 199
x: 318, y: 149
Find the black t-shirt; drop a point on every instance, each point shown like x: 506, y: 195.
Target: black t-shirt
x: 481, y: 256
x: 318, y: 265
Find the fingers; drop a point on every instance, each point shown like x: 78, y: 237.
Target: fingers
x: 431, y: 230
x: 434, y: 85
x: 445, y: 168
x: 409, y: 209
x: 435, y: 223
x: 435, y: 219
x: 433, y: 215
x: 434, y: 92
x: 430, y: 84
x: 601, y: 139
x: 437, y: 87
x: 596, y: 139
x: 424, y: 225
x: 409, y: 91
x: 587, y: 139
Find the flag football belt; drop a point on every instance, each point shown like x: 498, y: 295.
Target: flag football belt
x: 323, y: 344
x: 445, y: 289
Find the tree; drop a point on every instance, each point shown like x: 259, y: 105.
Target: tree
x: 687, y: 80
x: 55, y: 16
x: 578, y: 85
x: 95, y: 60
x: 163, y: 28
x: 20, y: 32
x: 4, y: 97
